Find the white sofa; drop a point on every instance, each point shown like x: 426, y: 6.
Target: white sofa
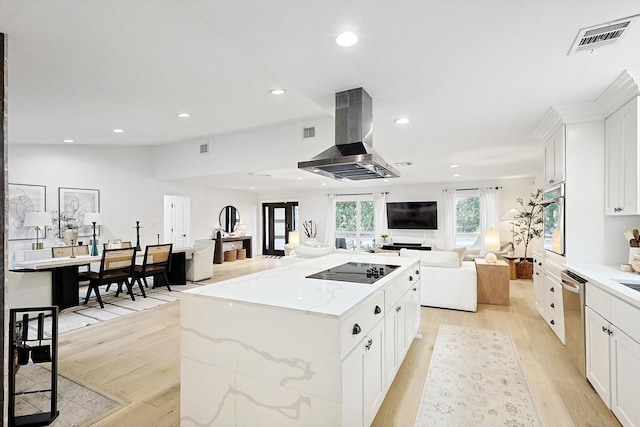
x: 200, y: 266
x: 446, y: 281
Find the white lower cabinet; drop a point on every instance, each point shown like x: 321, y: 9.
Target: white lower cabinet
x: 363, y: 379
x: 538, y: 281
x: 613, y: 357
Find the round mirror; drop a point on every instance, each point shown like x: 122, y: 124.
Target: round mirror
x: 229, y: 219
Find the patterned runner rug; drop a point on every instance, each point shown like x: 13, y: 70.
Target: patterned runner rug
x: 475, y: 379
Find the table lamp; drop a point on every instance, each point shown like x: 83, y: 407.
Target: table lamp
x: 491, y: 243
x: 93, y: 218
x: 39, y: 220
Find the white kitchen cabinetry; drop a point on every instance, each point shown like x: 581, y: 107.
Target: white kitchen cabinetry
x: 553, y: 309
x: 554, y: 153
x: 539, y: 281
x: 612, y: 331
x: 622, y: 174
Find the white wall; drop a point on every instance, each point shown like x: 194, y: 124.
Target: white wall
x: 129, y: 192
x: 313, y: 204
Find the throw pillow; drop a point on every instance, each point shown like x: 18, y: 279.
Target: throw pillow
x: 461, y: 253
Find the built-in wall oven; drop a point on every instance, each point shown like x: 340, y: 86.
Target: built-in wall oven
x: 553, y: 219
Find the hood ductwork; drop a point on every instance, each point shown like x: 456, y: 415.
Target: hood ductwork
x: 352, y: 157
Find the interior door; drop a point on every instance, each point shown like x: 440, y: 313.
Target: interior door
x: 179, y: 221
x: 277, y: 220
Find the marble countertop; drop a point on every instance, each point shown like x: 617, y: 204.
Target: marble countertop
x: 607, y: 277
x: 287, y: 287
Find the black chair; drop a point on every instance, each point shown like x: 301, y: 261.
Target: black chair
x: 116, y: 266
x: 156, y: 263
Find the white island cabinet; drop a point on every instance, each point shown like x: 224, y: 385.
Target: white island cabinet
x: 279, y: 349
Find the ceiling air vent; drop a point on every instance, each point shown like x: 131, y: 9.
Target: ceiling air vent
x: 204, y: 148
x: 591, y: 38
x: 309, y: 132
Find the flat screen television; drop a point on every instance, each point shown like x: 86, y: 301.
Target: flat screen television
x: 412, y: 215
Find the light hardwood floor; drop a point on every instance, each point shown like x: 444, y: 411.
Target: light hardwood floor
x: 136, y: 360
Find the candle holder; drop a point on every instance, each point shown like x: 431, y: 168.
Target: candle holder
x: 73, y: 255
x: 94, y: 246
x: 138, y: 248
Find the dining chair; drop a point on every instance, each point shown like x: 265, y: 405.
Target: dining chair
x: 116, y: 266
x: 65, y: 251
x: 156, y: 263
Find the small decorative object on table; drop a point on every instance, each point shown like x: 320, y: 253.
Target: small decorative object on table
x: 491, y: 258
x: 138, y: 248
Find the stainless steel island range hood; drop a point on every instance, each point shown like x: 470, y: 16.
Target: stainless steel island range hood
x: 352, y: 157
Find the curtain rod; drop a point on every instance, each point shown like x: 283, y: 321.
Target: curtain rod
x: 477, y: 188
x: 357, y: 194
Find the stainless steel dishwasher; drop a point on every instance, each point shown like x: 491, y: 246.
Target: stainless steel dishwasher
x: 573, y: 290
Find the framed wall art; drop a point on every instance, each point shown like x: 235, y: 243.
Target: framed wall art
x: 73, y: 204
x: 25, y: 198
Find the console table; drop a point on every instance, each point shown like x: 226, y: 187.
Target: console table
x: 218, y: 254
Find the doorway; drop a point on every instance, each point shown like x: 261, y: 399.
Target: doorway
x: 277, y: 220
x: 177, y: 214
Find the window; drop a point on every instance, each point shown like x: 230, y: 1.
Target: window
x: 467, y: 230
x: 355, y: 225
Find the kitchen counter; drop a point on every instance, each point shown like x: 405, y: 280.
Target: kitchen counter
x: 607, y: 277
x: 287, y: 287
x: 278, y: 348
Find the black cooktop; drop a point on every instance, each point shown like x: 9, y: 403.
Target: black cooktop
x: 356, y: 272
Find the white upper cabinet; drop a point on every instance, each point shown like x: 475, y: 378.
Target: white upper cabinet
x: 621, y: 161
x: 554, y: 152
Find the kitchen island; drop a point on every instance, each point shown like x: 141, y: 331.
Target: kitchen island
x: 280, y: 348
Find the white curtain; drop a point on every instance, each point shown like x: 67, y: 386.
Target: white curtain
x: 449, y: 218
x: 380, y: 214
x: 489, y: 203
x: 330, y: 229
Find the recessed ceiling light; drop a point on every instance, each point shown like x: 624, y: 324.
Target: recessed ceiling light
x: 277, y: 91
x: 299, y: 178
x: 252, y: 188
x: 385, y: 180
x: 68, y: 141
x: 454, y: 166
x: 401, y: 121
x: 118, y: 130
x: 455, y: 175
x: 183, y: 115
x: 347, y: 39
x: 324, y: 183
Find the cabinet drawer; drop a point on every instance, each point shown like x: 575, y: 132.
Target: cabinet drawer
x: 598, y: 300
x: 358, y: 324
x: 626, y: 318
x: 394, y: 291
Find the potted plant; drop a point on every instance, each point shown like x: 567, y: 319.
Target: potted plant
x: 67, y: 227
x: 528, y: 225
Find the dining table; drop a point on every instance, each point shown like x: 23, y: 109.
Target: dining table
x: 65, y: 283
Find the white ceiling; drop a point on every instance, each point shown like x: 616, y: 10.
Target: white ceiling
x: 475, y: 77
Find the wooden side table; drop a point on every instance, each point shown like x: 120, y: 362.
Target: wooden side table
x: 493, y: 282
x: 512, y: 266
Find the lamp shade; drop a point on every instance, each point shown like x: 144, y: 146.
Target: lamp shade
x: 491, y: 239
x: 37, y: 219
x: 91, y: 217
x: 511, y: 214
x: 294, y: 238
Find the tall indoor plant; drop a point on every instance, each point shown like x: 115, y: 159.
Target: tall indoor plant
x: 528, y: 225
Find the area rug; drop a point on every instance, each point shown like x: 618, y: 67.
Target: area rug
x: 77, y: 404
x: 114, y: 306
x: 475, y: 379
